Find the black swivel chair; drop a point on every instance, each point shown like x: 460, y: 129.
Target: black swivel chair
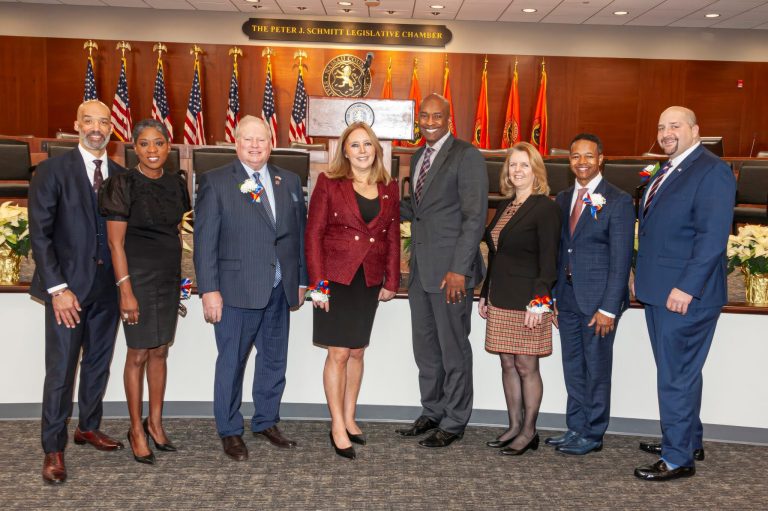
x: 293, y: 160
x: 494, y: 169
x: 58, y: 147
x: 394, y: 170
x: 752, y: 189
x: 15, y: 169
x: 626, y: 176
x: 559, y: 176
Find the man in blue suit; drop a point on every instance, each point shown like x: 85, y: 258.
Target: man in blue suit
x: 591, y: 291
x: 249, y: 260
x: 685, y: 219
x: 74, y: 278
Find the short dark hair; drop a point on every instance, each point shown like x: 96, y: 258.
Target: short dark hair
x: 150, y: 123
x: 590, y: 137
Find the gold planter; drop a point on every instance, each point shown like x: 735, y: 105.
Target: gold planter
x: 10, y: 265
x: 756, y: 286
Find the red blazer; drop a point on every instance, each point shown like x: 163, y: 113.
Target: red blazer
x: 337, y: 241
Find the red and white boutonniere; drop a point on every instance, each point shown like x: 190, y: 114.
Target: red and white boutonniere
x: 320, y: 293
x: 595, y: 202
x: 252, y: 190
x: 277, y: 180
x: 648, y: 172
x: 540, y: 304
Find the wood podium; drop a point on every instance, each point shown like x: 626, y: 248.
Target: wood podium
x: 390, y: 119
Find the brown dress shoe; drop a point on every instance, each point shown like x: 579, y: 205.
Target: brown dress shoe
x: 97, y: 439
x: 276, y: 438
x: 235, y: 448
x: 54, y: 471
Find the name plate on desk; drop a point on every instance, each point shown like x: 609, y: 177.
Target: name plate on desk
x: 390, y: 119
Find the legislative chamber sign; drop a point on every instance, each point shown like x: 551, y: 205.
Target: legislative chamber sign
x: 313, y: 31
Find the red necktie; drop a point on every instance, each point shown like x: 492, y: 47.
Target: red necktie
x: 576, y: 211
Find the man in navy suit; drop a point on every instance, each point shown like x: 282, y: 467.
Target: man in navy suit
x: 685, y: 219
x: 73, y: 276
x: 592, y: 291
x: 249, y: 261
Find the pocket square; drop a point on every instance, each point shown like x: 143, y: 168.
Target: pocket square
x: 294, y: 197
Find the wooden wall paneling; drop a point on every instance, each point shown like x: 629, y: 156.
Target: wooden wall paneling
x: 23, y: 86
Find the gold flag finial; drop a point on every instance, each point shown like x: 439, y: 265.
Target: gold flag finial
x: 90, y: 46
x: 160, y: 48
x: 268, y: 52
x: 235, y: 52
x: 485, y: 63
x: 446, y: 60
x: 543, y: 64
x: 301, y: 55
x: 416, y: 64
x: 389, y: 66
x: 196, y: 50
x: 122, y: 46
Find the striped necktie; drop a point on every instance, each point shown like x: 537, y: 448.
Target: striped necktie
x: 265, y: 202
x: 655, y: 186
x: 425, y: 164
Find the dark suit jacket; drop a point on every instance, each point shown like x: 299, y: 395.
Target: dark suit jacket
x: 62, y: 225
x: 235, y: 243
x: 685, y: 233
x: 338, y: 241
x: 600, y: 251
x: 524, y: 263
x: 447, y: 225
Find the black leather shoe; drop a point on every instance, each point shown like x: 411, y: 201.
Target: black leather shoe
x: 149, y: 459
x: 234, y: 447
x: 440, y: 438
x: 499, y: 444
x: 698, y: 454
x: 563, y: 439
x: 347, y: 452
x: 660, y: 472
x: 532, y: 445
x: 420, y: 426
x: 275, y: 437
x: 357, y: 439
x: 169, y: 447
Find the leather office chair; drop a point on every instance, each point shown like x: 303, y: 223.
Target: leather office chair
x: 58, y: 147
x: 752, y: 189
x: 15, y: 171
x: 209, y: 158
x: 494, y: 169
x: 626, y: 176
x: 293, y: 160
x: 559, y: 176
x: 395, y: 168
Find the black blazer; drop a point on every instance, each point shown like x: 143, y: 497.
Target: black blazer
x: 524, y: 264
x: 62, y: 225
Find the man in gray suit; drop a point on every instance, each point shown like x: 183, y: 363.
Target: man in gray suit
x: 447, y: 210
x: 249, y: 260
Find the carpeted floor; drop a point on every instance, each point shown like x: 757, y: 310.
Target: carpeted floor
x: 390, y: 473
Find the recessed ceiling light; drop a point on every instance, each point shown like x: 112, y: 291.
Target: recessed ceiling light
x: 345, y: 4
x: 620, y: 13
x: 437, y: 6
x: 302, y: 8
x: 712, y: 15
x: 435, y: 13
x: 529, y: 10
x: 346, y: 10
x: 391, y: 12
x: 253, y: 1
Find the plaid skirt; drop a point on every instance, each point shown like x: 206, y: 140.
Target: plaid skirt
x: 506, y: 333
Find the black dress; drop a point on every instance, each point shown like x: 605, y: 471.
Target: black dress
x: 153, y: 209
x: 349, y: 321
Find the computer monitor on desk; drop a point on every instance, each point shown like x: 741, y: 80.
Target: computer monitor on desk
x: 714, y: 144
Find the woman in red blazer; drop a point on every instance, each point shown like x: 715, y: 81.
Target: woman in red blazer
x: 352, y: 244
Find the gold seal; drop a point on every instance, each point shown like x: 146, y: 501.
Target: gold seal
x: 345, y: 76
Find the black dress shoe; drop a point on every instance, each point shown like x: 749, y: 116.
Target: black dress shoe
x: 420, y: 426
x: 357, y: 439
x: 440, y: 438
x: 234, y: 447
x: 660, y: 472
x: 698, y: 454
x: 149, y: 459
x: 532, y: 445
x: 169, y: 447
x: 347, y: 452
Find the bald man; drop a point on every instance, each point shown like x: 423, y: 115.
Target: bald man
x: 73, y: 277
x: 685, y: 218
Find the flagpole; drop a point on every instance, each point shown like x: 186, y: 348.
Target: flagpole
x: 235, y: 52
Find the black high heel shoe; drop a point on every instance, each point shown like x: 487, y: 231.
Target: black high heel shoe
x: 532, y: 445
x: 149, y: 459
x: 499, y: 443
x: 357, y: 439
x: 348, y: 452
x: 169, y: 447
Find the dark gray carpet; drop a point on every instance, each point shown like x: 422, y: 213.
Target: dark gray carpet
x: 390, y: 473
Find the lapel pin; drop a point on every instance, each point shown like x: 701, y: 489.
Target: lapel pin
x: 277, y: 180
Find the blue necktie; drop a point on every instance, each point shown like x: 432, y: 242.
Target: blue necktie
x: 268, y: 208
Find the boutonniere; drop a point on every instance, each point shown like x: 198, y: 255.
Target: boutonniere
x: 540, y: 304
x: 252, y: 190
x: 277, y: 180
x: 648, y: 172
x: 320, y: 293
x: 186, y: 292
x: 595, y: 202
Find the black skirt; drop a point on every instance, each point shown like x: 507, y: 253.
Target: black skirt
x: 157, y: 292
x: 349, y: 321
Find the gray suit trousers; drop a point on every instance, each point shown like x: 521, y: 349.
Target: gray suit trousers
x: 443, y: 355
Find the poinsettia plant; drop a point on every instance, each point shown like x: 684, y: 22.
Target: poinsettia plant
x: 14, y: 228
x: 749, y: 249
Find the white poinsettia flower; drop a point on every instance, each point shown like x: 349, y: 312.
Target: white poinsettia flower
x: 248, y: 186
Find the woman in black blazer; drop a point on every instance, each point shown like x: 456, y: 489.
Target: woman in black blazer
x: 522, y: 242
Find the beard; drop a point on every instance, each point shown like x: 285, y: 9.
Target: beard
x: 92, y: 145
x: 672, y: 149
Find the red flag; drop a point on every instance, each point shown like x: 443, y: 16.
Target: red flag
x: 480, y: 135
x: 415, y: 95
x: 447, y: 95
x: 511, y: 134
x: 539, y: 131
x: 386, y: 92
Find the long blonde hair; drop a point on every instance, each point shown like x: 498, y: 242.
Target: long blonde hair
x: 540, y: 184
x: 340, y: 167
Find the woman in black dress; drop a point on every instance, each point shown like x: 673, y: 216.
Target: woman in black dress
x: 352, y: 244
x: 144, y: 207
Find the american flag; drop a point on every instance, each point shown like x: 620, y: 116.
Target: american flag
x: 298, y: 129
x: 90, y: 82
x: 121, y: 108
x: 194, y: 133
x: 233, y: 108
x: 160, y: 110
x: 268, y: 112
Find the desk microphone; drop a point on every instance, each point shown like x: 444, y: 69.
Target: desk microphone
x: 754, y: 139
